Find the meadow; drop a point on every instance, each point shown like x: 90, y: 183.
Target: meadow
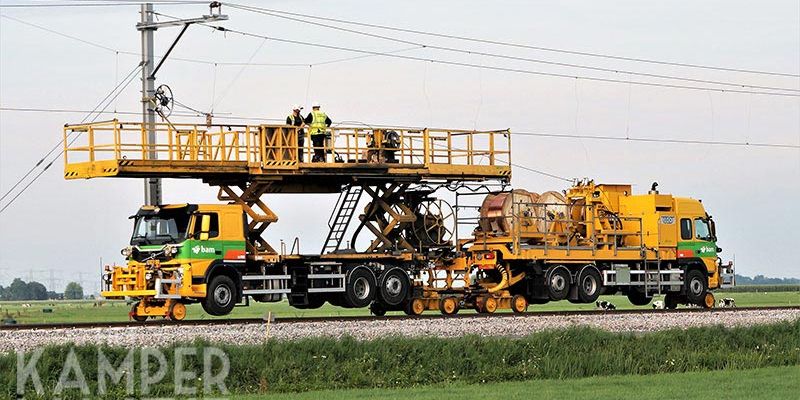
x: 736, y: 384
x: 426, y: 365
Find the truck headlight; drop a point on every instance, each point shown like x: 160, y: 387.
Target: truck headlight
x: 126, y: 252
x: 171, y: 250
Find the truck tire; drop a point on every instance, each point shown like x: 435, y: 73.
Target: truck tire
x: 314, y: 301
x: 377, y: 309
x: 671, y: 301
x: 360, y: 288
x: 638, y: 298
x: 557, y: 282
x: 696, y: 287
x: 394, y: 286
x: 589, y: 284
x: 220, y: 296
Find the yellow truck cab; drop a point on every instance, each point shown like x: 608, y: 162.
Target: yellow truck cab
x: 178, y: 254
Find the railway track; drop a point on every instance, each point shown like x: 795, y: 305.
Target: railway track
x: 284, y: 320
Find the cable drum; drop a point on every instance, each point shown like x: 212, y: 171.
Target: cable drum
x: 499, y: 212
x: 535, y: 213
x: 551, y: 212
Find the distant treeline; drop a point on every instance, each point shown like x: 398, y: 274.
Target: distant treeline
x: 739, y: 288
x: 763, y: 280
x: 20, y: 290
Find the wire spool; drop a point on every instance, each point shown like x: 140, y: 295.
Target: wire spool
x: 551, y: 212
x: 499, y: 211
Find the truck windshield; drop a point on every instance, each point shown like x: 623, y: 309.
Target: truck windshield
x: 163, y: 228
x: 701, y: 229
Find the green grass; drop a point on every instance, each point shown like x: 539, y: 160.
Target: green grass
x: 761, y: 383
x: 394, y: 362
x: 762, y: 288
x: 98, y: 311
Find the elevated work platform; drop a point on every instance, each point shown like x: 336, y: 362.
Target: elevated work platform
x: 243, y: 154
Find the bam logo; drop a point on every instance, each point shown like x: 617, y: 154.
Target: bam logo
x: 202, y: 250
x: 705, y: 249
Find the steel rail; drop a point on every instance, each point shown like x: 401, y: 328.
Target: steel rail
x: 432, y: 316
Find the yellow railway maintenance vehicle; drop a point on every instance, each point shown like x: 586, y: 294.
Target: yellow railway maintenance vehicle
x: 590, y: 240
x: 402, y: 252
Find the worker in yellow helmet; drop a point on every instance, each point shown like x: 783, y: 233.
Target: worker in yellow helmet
x: 295, y: 119
x: 318, y: 123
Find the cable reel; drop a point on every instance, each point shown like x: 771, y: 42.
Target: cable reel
x: 435, y: 223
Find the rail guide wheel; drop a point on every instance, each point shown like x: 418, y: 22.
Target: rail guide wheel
x: 519, y: 304
x: 489, y: 305
x: 708, y: 300
x: 177, y: 311
x: 448, y: 305
x: 134, y: 315
x: 415, y: 307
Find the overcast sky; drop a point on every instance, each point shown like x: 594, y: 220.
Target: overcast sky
x: 752, y: 192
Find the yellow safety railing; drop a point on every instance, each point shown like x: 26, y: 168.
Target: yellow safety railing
x: 279, y: 146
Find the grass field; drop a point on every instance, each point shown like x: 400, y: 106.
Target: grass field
x: 761, y: 383
x: 429, y: 364
x: 97, y: 311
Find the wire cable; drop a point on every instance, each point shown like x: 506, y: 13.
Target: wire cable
x: 516, y: 58
x: 199, y: 114
x: 60, y: 142
x: 519, y: 45
x: 659, y: 140
x: 130, y: 79
x: 496, y: 68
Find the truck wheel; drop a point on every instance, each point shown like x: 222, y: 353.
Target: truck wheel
x: 696, y: 287
x: 337, y: 299
x: 671, y: 301
x: 220, y: 296
x: 394, y: 287
x: 314, y: 301
x: 558, y: 282
x: 360, y: 288
x: 377, y: 309
x: 638, y: 298
x: 589, y: 284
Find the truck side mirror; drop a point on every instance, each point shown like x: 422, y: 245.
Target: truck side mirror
x: 205, y: 225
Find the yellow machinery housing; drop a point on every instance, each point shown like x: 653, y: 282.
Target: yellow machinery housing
x: 592, y: 239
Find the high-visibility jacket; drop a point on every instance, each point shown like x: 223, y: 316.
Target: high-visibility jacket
x: 318, y: 125
x: 294, y: 119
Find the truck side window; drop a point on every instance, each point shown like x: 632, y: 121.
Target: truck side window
x: 701, y: 229
x: 686, y: 229
x: 213, y: 227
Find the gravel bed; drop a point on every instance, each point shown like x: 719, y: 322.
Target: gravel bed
x: 24, y: 340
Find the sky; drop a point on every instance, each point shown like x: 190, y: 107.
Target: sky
x: 59, y: 230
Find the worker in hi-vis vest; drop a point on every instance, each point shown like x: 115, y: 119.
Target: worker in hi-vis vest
x: 295, y: 119
x: 318, y: 123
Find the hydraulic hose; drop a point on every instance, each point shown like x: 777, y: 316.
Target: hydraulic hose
x: 503, y: 282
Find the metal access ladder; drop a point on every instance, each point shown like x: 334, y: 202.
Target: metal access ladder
x: 341, y: 216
